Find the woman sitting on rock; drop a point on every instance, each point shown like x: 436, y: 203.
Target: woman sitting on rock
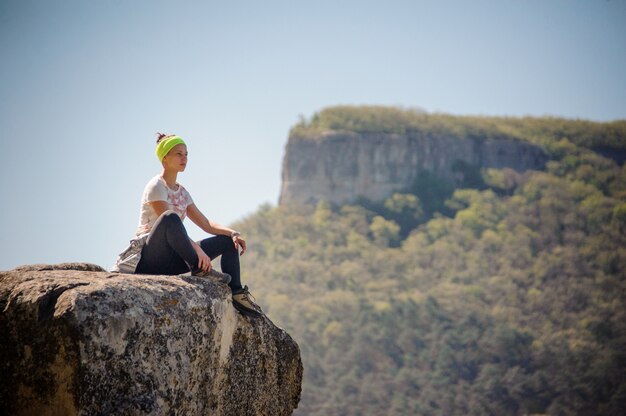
x: 162, y: 245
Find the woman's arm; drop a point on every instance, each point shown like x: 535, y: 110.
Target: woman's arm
x: 203, y: 222
x: 159, y: 207
x: 211, y: 227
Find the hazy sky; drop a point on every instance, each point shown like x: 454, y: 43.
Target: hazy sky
x: 84, y: 85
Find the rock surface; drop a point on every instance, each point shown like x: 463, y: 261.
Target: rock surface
x: 76, y: 339
x: 342, y: 166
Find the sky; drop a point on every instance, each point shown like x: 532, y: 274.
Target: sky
x: 85, y: 85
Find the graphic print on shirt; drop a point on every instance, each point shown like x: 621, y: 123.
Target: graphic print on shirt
x: 179, y: 201
x: 157, y: 190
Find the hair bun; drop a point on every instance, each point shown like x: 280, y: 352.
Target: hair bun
x: 161, y: 136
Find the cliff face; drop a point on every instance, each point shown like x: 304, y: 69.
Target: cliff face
x: 341, y: 166
x: 78, y: 340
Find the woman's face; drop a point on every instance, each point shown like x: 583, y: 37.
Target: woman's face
x: 176, y: 159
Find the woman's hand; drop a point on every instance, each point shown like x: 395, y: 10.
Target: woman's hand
x: 239, y: 242
x: 204, y: 262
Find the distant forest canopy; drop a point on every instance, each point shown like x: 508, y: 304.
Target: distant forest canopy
x: 502, y: 296
x: 544, y: 131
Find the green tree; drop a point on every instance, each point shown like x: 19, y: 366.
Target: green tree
x: 385, y: 232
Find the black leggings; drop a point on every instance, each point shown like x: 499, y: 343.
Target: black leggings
x: 168, y: 250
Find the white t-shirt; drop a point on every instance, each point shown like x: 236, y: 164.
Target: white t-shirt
x: 157, y: 190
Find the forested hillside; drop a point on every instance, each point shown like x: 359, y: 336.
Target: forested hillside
x: 538, y: 130
x: 505, y: 297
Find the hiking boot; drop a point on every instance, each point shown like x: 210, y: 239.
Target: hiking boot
x: 221, y: 277
x: 243, y: 301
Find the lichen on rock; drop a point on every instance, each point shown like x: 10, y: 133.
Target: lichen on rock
x: 76, y: 339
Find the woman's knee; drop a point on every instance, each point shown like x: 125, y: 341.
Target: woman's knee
x: 218, y: 245
x: 169, y: 216
x: 168, y: 219
x: 226, y: 242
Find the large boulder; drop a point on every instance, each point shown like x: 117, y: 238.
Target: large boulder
x: 75, y: 339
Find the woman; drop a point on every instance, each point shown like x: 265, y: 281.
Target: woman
x: 162, y: 245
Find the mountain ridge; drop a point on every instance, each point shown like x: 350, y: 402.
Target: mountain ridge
x: 347, y: 152
x: 502, y: 294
